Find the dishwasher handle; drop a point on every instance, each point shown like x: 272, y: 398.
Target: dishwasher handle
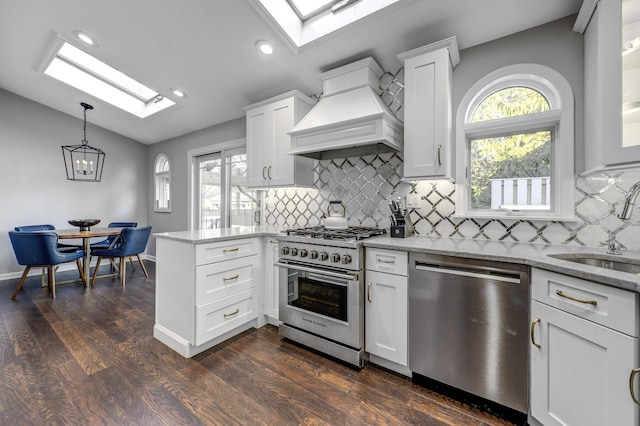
x: 505, y: 276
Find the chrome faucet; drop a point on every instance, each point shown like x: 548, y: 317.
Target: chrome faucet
x: 630, y: 202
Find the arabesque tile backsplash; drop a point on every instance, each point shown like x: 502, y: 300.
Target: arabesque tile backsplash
x: 365, y: 184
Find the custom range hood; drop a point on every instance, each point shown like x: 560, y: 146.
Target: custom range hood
x: 350, y: 119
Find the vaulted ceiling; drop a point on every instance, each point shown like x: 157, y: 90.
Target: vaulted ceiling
x: 207, y: 48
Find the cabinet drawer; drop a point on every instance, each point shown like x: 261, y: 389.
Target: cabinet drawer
x: 216, y: 318
x: 217, y: 280
x: 389, y: 261
x: 217, y: 252
x: 608, y: 306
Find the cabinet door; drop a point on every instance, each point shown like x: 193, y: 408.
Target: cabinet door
x: 258, y: 122
x: 427, y: 115
x: 272, y: 275
x: 280, y: 170
x: 386, y: 316
x: 580, y: 373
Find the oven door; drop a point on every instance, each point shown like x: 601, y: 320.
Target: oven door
x: 325, y: 303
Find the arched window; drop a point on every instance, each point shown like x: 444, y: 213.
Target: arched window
x: 514, y: 139
x: 162, y: 172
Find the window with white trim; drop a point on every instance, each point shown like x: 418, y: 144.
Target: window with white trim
x: 514, y: 139
x: 162, y: 174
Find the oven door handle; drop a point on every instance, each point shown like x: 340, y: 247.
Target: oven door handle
x: 318, y: 271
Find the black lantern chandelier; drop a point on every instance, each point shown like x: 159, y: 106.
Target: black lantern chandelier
x: 83, y: 162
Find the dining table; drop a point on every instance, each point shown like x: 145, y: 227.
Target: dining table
x: 86, y: 236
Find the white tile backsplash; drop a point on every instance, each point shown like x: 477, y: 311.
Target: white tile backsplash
x: 365, y: 184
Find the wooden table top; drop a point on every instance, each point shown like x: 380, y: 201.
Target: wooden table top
x: 93, y: 232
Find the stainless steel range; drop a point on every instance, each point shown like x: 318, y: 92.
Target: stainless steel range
x: 321, y: 289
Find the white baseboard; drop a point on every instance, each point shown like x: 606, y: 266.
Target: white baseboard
x: 63, y: 267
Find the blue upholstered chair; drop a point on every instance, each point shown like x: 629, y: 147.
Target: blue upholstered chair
x: 40, y: 249
x: 65, y: 248
x: 33, y: 228
x: 133, y: 241
x: 106, y: 243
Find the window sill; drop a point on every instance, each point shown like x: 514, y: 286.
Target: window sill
x: 162, y: 210
x: 515, y: 216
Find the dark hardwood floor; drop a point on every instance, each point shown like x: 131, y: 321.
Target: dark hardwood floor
x: 88, y: 357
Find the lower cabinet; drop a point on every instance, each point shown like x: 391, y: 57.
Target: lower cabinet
x: 584, y: 349
x: 205, y: 292
x: 271, y: 280
x: 386, y: 308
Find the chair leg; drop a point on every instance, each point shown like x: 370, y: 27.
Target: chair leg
x: 133, y: 267
x: 22, y: 278
x: 143, y: 267
x: 84, y: 282
x: 52, y: 281
x: 123, y: 270
x: 95, y: 271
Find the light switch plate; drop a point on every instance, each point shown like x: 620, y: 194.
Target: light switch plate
x: 413, y: 201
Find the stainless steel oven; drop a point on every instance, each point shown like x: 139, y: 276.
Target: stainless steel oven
x: 321, y: 293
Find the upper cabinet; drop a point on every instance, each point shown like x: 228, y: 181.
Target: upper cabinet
x: 612, y: 94
x: 428, y: 135
x: 268, y: 142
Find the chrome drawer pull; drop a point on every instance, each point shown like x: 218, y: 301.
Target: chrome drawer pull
x: 235, y: 277
x: 230, y: 250
x: 533, y: 327
x: 232, y: 313
x: 439, y: 158
x: 390, y: 262
x: 633, y: 394
x: 587, y: 302
x: 369, y: 291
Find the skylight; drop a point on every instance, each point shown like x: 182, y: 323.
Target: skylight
x: 305, y: 21
x: 308, y: 8
x: 84, y: 72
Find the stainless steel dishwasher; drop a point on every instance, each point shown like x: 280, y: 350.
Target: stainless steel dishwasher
x: 468, y: 325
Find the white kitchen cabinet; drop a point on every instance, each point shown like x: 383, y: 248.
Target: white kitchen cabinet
x: 386, y: 311
x: 268, y: 142
x: 205, y: 292
x: 612, y: 140
x: 271, y: 274
x: 584, y: 347
x: 428, y: 129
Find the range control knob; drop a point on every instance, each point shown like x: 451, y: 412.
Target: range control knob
x: 323, y: 255
x: 294, y: 251
x: 313, y: 254
x: 284, y: 251
x: 346, y: 259
x: 335, y: 257
x: 303, y: 253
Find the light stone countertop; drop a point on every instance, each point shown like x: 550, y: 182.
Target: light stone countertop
x: 202, y: 236
x: 535, y: 255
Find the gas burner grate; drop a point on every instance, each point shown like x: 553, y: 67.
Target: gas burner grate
x: 354, y: 232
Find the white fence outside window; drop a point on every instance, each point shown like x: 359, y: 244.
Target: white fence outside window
x: 521, y: 194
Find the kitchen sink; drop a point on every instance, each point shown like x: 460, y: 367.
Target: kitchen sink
x: 601, y: 261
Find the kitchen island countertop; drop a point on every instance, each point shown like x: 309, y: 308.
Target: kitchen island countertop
x: 202, y: 236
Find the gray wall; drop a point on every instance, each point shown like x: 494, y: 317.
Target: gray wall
x: 34, y: 188
x: 554, y: 45
x: 177, y: 150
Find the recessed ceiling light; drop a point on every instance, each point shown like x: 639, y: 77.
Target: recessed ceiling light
x: 179, y: 93
x: 85, y: 38
x: 265, y: 47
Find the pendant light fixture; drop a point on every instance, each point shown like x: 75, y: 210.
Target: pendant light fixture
x: 83, y: 162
